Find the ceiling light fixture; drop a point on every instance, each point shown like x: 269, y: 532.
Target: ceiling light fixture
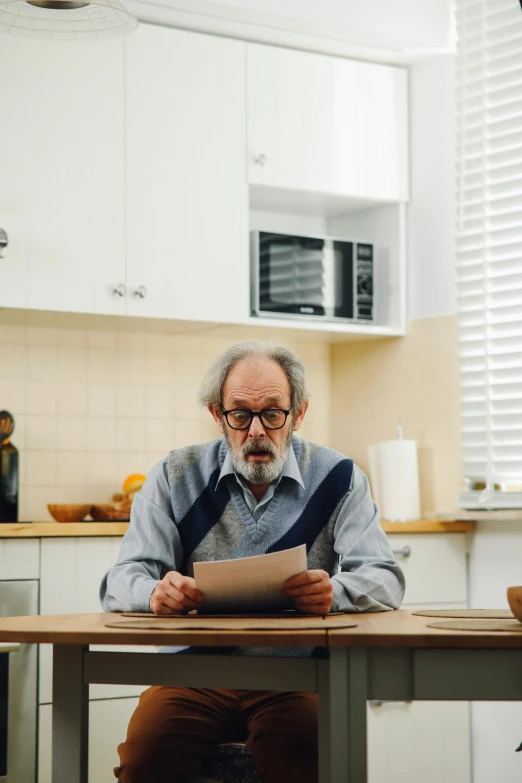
x: 66, y: 20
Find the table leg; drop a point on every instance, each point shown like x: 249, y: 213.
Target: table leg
x: 70, y: 715
x: 323, y: 692
x: 347, y: 711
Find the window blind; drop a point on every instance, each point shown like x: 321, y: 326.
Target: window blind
x: 489, y: 249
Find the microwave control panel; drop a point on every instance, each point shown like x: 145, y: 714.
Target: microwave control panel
x: 364, y: 282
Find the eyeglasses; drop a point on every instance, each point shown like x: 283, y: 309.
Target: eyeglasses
x: 241, y: 418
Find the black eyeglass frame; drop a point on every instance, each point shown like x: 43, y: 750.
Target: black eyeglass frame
x: 259, y: 414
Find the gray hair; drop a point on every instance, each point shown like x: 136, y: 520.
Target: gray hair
x: 211, y: 392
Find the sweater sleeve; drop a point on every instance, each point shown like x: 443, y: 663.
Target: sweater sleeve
x: 150, y: 548
x: 369, y: 580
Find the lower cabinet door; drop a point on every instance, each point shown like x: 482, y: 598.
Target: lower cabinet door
x: 108, y: 721
x: 410, y: 742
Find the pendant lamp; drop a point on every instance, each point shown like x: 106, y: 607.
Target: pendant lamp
x: 66, y: 20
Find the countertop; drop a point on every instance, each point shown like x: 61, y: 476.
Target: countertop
x: 88, y: 529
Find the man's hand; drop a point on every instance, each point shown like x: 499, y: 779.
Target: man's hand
x: 175, y: 594
x: 311, y: 591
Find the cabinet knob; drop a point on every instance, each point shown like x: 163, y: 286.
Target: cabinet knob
x: 405, y: 551
x: 259, y: 160
x: 141, y: 292
x: 119, y: 290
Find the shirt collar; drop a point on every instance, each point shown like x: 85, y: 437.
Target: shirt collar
x: 290, y: 468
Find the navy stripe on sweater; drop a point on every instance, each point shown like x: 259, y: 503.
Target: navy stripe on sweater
x: 318, y: 510
x: 205, y: 512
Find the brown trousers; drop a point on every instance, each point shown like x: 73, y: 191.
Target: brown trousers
x: 173, y: 730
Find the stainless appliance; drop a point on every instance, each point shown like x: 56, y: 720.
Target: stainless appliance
x: 18, y: 693
x: 309, y: 276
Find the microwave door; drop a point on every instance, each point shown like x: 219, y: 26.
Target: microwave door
x: 297, y: 275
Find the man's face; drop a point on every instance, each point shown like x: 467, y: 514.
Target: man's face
x: 258, y: 453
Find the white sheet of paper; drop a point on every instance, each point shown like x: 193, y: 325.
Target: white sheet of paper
x: 249, y: 584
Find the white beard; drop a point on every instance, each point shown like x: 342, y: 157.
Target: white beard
x: 259, y: 472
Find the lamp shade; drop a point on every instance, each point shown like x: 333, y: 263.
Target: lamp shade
x: 66, y: 20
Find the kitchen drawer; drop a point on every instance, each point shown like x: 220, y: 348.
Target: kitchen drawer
x: 19, y: 559
x: 435, y: 568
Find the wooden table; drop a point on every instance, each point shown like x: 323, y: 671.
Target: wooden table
x: 388, y: 656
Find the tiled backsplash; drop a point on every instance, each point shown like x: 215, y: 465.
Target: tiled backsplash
x: 98, y: 398
x: 414, y: 380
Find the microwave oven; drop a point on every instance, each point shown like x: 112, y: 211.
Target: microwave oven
x: 311, y: 277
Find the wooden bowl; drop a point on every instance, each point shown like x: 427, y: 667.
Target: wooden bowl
x: 68, y: 512
x: 108, y: 512
x: 514, y: 596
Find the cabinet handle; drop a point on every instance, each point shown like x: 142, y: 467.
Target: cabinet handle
x: 119, y: 290
x: 3, y: 241
x: 9, y: 647
x: 404, y: 552
x: 141, y: 292
x: 380, y: 702
x: 259, y: 160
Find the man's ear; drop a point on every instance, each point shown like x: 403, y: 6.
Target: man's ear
x: 216, y: 415
x: 300, y: 416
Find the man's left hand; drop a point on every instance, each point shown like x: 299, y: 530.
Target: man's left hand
x: 311, y: 591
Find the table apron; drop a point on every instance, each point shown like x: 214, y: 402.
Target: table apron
x: 444, y: 674
x: 202, y: 671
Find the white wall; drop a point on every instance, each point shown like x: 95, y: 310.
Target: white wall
x: 432, y: 289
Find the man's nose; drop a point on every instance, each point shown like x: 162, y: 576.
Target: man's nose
x: 257, y: 428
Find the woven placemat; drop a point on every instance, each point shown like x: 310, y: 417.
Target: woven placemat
x: 470, y: 614
x: 478, y: 625
x: 194, y: 615
x: 212, y: 623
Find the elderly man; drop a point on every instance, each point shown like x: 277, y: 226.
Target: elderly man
x: 258, y: 489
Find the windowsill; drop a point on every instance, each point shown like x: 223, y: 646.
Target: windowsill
x: 487, y: 515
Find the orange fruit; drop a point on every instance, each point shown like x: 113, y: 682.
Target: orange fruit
x: 133, y: 483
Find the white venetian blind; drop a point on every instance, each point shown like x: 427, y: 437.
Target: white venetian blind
x: 489, y: 248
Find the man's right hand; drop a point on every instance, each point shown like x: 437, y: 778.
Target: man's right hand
x: 175, y: 594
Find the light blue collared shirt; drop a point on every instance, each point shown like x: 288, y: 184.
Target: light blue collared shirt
x: 257, y: 509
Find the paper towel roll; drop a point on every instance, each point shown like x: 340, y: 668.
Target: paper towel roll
x: 397, y: 479
x: 373, y: 459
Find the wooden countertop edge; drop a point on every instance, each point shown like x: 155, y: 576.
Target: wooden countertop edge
x: 58, y: 530
x: 89, y: 529
x: 428, y: 526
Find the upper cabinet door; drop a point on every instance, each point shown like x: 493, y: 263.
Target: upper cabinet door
x: 326, y: 124
x: 187, y: 226
x: 62, y: 175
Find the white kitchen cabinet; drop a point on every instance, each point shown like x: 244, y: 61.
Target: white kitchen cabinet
x: 419, y: 741
x: 424, y: 741
x: 19, y: 559
x: 108, y: 721
x: 71, y: 571
x: 187, y: 200
x: 62, y: 175
x: 326, y: 124
x: 435, y: 568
